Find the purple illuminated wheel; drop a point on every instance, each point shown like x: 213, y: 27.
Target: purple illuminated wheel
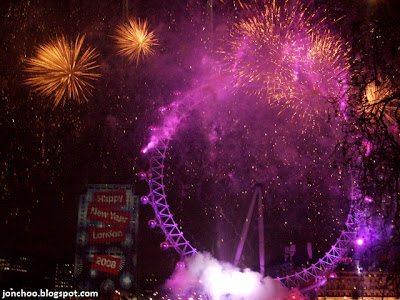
x: 308, y: 278
x: 158, y: 200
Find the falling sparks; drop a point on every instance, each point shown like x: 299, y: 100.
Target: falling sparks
x: 61, y: 70
x: 279, y: 56
x: 134, y: 40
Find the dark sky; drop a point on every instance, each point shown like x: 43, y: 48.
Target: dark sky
x: 48, y: 154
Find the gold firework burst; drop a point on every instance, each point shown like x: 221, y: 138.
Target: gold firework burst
x: 62, y: 71
x: 134, y: 40
x: 284, y: 54
x: 378, y: 103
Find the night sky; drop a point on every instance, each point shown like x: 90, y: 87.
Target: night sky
x: 233, y: 139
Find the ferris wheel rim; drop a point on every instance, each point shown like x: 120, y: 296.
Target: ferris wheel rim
x: 315, y: 274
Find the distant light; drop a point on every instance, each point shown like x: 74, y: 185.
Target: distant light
x: 368, y: 199
x: 151, y: 145
x: 164, y: 245
x: 366, y: 147
x: 142, y: 175
x: 152, y: 223
x: 360, y: 241
x: 332, y: 276
x: 144, y: 200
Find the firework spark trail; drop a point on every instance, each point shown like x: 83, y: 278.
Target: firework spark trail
x: 134, y: 40
x: 280, y: 56
x: 60, y: 70
x: 179, y: 109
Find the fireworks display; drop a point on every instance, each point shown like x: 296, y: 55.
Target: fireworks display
x: 241, y: 93
x: 62, y: 70
x: 379, y: 102
x: 134, y: 40
x: 280, y: 56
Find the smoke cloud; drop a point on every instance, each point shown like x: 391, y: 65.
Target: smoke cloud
x: 220, y: 280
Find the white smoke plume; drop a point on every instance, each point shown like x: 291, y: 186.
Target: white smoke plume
x: 219, y: 280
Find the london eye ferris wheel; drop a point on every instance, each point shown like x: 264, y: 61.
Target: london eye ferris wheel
x: 280, y: 57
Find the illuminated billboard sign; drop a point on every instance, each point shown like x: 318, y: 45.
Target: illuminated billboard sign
x: 108, y: 216
x: 112, y: 198
x: 105, y: 258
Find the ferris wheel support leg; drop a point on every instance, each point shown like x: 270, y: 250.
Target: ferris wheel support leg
x: 245, y: 230
x: 257, y: 196
x: 261, y: 232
